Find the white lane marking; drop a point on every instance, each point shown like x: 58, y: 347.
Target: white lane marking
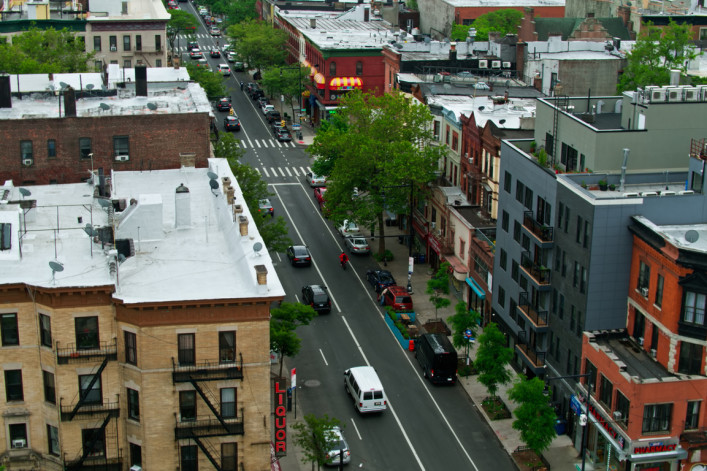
x: 287, y: 169
x: 265, y: 170
x: 357, y: 432
x: 304, y: 170
x: 309, y: 169
x: 282, y: 173
x: 257, y: 170
x: 274, y: 172
x: 258, y: 143
x: 323, y: 357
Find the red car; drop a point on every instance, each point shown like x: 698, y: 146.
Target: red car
x: 397, y: 297
x: 319, y: 195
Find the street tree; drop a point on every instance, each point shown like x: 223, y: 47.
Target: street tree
x: 315, y: 438
x: 181, y: 23
x: 38, y: 51
x: 211, y: 82
x: 656, y: 52
x: 286, y: 81
x: 375, y: 147
x: 237, y: 12
x: 438, y: 287
x: 258, y: 43
x: 463, y: 320
x: 505, y: 21
x: 535, y: 418
x: 459, y: 32
x: 284, y: 320
x: 492, y: 357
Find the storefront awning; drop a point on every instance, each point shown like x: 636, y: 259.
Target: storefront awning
x: 460, y: 270
x: 477, y: 289
x: 319, y: 80
x: 345, y: 83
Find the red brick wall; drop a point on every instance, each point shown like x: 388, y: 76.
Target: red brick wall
x: 155, y: 143
x: 472, y: 13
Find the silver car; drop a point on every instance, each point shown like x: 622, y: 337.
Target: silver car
x: 315, y: 180
x: 337, y: 445
x: 357, y: 244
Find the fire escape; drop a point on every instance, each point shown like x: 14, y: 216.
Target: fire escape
x: 93, y: 455
x: 198, y: 429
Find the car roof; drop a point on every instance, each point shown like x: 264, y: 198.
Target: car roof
x: 395, y: 289
x: 299, y: 248
x: 232, y: 118
x: 318, y: 289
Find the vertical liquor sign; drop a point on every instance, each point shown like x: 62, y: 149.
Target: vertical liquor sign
x: 280, y: 420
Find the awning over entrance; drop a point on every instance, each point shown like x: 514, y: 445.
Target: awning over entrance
x: 345, y: 83
x: 477, y: 289
x: 460, y: 270
x: 319, y: 80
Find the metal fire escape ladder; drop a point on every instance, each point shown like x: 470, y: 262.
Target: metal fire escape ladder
x: 561, y: 102
x: 209, y: 453
x: 88, y: 389
x: 91, y: 443
x: 208, y: 402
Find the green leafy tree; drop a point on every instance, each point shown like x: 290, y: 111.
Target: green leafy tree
x: 182, y: 23
x: 315, y: 438
x: 258, y: 44
x: 211, y: 82
x: 227, y: 148
x: 376, y: 146
x: 43, y: 52
x: 463, y: 320
x: 504, y: 21
x: 437, y: 286
x: 535, y: 418
x: 656, y: 52
x: 237, y: 12
x: 284, y: 320
x: 286, y: 81
x: 459, y: 32
x: 492, y: 357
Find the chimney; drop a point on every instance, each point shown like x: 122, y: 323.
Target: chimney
x: 313, y: 23
x: 452, y: 51
x: 366, y: 14
x: 230, y: 194
x: 140, y: 80
x: 69, y: 103
x: 262, y: 274
x: 243, y: 225
x: 182, y: 207
x: 5, y: 93
x: 187, y: 159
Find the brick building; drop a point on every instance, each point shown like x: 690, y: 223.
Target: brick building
x: 135, y: 331
x: 137, y: 119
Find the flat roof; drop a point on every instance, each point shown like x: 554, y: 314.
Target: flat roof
x: 506, y: 115
x: 205, y: 259
x: 677, y: 234
x: 638, y: 362
x: 506, y: 3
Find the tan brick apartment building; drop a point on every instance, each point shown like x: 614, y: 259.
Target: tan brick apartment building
x: 135, y: 330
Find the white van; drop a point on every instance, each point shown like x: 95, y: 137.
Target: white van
x: 363, y: 385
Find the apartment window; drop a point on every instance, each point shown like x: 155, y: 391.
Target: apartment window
x: 455, y: 140
x: 569, y: 361
x: 513, y: 310
x: 580, y: 324
x: 703, y: 34
x: 18, y: 432
x: 133, y: 404
x: 656, y: 417
x: 514, y: 271
x: 606, y: 392
x: 560, y: 213
x: 53, y: 440
x: 446, y: 135
x: 501, y: 296
x: 135, y: 455
x: 585, y: 237
x: 130, y: 347
x: 158, y: 42
x: 644, y: 276
x: 85, y: 147
x: 186, y: 354
x: 591, y: 380
x: 187, y: 405
x: 583, y: 281
x: 692, y: 416
x: 229, y: 456
x: 5, y: 236
x: 97, y: 66
x: 659, y: 291
x: 520, y: 191
x: 481, y: 268
x: 228, y: 402
x: 158, y: 63
x: 561, y: 307
x: 26, y: 150
x: 622, y: 407
x: 138, y: 42
x: 121, y: 145
x: 528, y: 202
x: 91, y: 393
x: 436, y: 130
x: 51, y: 148
x: 554, y: 301
x: 507, y: 182
x: 49, y: 387
x: 578, y: 235
x: 9, y: 330
x: 693, y: 310
x: 45, y: 330
x: 525, y: 243
x: 564, y: 263
x: 516, y: 231
x: 567, y: 218
x: 558, y: 258
x: 13, y: 385
x: 503, y: 260
x: 523, y: 282
x: 189, y: 459
x: 227, y: 346
x: 575, y: 278
x: 126, y: 43
x: 127, y: 63
x: 558, y: 354
x: 113, y: 40
x: 97, y: 43
x: 690, y: 362
x: 86, y: 332
x: 551, y: 344
x: 572, y: 319
x: 94, y: 441
x: 359, y: 68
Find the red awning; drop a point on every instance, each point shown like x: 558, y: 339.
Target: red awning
x: 319, y: 80
x: 460, y: 270
x: 345, y: 83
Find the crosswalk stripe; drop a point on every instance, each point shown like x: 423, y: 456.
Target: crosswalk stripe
x: 257, y: 142
x: 274, y: 172
x: 304, y: 171
x: 288, y: 171
x: 281, y: 172
x: 258, y: 170
x: 265, y: 171
x: 243, y: 144
x: 294, y: 170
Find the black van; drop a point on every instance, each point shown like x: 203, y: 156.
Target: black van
x: 437, y: 357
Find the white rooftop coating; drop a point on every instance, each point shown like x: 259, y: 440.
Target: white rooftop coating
x: 575, y: 55
x: 168, y: 88
x: 205, y: 260
x: 111, y: 10
x: 506, y: 3
x: 676, y: 234
x: 484, y: 109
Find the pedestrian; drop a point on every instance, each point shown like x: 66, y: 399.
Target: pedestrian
x: 241, y: 86
x: 381, y: 299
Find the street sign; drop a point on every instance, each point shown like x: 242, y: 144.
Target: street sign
x: 296, y: 127
x: 411, y: 264
x: 293, y: 378
x: 467, y: 333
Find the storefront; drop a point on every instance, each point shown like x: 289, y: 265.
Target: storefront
x: 477, y: 298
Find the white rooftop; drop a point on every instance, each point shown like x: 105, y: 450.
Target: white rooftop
x: 505, y: 116
x: 204, y: 259
x: 677, y: 234
x: 111, y: 10
x: 506, y: 3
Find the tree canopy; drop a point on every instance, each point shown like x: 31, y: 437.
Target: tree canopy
x: 504, y: 21
x: 375, y: 147
x: 315, y: 438
x: 288, y: 81
x: 492, y: 357
x: 47, y: 51
x: 535, y: 418
x: 462, y: 320
x: 656, y: 52
x: 235, y: 12
x: 182, y: 23
x: 437, y: 286
x: 211, y: 82
x: 258, y: 43
x: 283, y: 322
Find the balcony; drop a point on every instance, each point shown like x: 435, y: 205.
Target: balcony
x: 537, y: 318
x: 543, y: 235
x: 96, y: 464
x: 534, y: 359
x: 72, y: 354
x: 207, y: 371
x: 202, y: 428
x: 539, y: 275
x: 112, y: 408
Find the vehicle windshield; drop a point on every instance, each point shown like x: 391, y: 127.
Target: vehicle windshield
x: 320, y: 298
x: 403, y: 299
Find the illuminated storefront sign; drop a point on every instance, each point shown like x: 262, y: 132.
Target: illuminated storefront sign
x: 280, y: 420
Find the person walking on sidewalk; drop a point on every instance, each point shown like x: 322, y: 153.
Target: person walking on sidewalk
x: 381, y: 297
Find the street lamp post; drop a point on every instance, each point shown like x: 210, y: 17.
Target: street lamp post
x: 583, y: 421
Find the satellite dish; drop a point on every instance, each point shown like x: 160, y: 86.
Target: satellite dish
x: 63, y: 85
x: 152, y: 106
x: 25, y: 192
x: 213, y: 184
x: 502, y: 121
x: 104, y: 107
x: 692, y: 236
x: 56, y: 266
x: 104, y: 88
x: 481, y: 108
x: 89, y: 86
x: 257, y: 247
x: 104, y: 203
x: 212, y: 175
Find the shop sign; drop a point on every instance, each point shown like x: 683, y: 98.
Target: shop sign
x: 653, y: 448
x: 603, y: 422
x: 575, y: 405
x: 280, y: 420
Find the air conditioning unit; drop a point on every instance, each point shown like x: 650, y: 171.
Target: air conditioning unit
x: 27, y: 162
x: 506, y: 65
x: 649, y: 193
x: 617, y: 415
x: 136, y: 467
x: 19, y: 443
x: 483, y: 64
x: 657, y: 95
x: 690, y: 94
x: 631, y: 195
x: 667, y: 193
x: 433, y: 225
x: 122, y: 158
x: 674, y: 94
x: 113, y: 48
x: 640, y: 341
x: 654, y: 352
x: 686, y: 192
x: 644, y: 292
x: 496, y: 64
x: 702, y: 92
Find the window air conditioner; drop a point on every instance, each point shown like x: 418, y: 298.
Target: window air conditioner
x: 483, y: 64
x: 433, y: 225
x: 113, y: 48
x: 506, y: 65
x: 640, y: 341
x: 617, y: 415
x: 19, y: 443
x: 496, y: 64
x: 136, y: 467
x: 654, y: 352
x: 122, y: 158
x: 644, y: 292
x: 27, y: 162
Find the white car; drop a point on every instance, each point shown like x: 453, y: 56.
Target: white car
x: 357, y: 244
x: 315, y: 180
x: 224, y: 69
x: 267, y: 108
x: 349, y: 228
x: 336, y: 443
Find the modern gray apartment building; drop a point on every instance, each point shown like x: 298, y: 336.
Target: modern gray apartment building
x: 563, y: 248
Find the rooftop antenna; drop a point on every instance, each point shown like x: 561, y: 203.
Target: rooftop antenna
x: 25, y: 192
x: 55, y: 266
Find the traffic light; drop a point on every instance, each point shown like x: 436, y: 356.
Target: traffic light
x: 231, y: 112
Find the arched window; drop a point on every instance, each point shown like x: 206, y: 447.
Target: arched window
x: 332, y: 69
x: 359, y: 68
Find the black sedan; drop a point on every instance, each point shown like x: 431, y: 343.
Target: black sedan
x: 215, y: 53
x: 224, y: 104
x: 299, y: 255
x: 231, y: 123
x: 380, y: 279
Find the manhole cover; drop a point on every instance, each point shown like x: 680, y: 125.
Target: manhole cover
x: 312, y: 383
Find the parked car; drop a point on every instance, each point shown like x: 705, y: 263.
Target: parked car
x: 224, y: 69
x: 267, y: 107
x: 319, y: 194
x: 314, y: 179
x: 272, y: 116
x: 380, y: 279
x: 357, y: 244
x: 249, y: 87
x: 237, y: 65
x: 299, y: 255
x: 256, y: 92
x: 192, y: 45
x: 348, y: 228
x: 215, y: 52
x: 317, y: 297
x: 196, y: 54
x: 231, y: 123
x: 336, y: 444
x: 203, y: 63
x: 276, y: 126
x: 224, y: 104
x: 283, y: 135
x: 215, y: 31
x: 265, y: 207
x: 397, y: 297
x: 262, y: 101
